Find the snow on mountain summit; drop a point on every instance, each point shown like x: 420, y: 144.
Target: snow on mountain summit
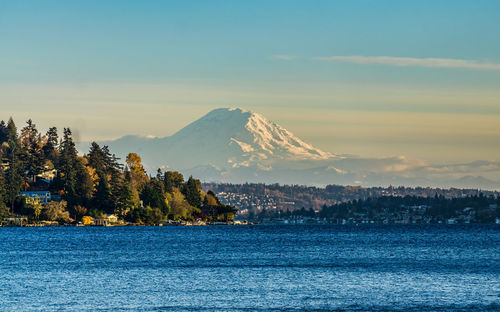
x: 225, y: 138
x: 241, y: 138
x: 272, y: 138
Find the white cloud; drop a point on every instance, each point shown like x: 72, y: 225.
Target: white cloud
x: 412, y: 61
x: 284, y: 57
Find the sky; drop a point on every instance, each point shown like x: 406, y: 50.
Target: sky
x: 370, y: 78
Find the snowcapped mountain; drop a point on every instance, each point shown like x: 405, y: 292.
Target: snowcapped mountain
x: 237, y: 146
x: 230, y: 137
x: 224, y: 138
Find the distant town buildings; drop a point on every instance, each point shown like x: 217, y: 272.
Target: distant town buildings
x: 301, y: 204
x: 247, y: 203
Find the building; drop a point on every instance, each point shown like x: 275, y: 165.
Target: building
x: 101, y: 222
x: 106, y: 220
x: 17, y: 221
x: 48, y: 174
x: 43, y: 196
x: 112, y: 218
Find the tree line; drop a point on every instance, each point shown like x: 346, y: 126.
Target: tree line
x: 474, y: 209
x: 94, y: 184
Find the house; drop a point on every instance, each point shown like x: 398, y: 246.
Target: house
x: 106, y: 220
x: 18, y: 221
x: 48, y: 174
x: 43, y: 196
x: 101, y: 222
x: 112, y: 218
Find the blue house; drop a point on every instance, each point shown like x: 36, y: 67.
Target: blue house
x: 43, y: 196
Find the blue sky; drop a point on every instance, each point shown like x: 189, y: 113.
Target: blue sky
x: 110, y: 68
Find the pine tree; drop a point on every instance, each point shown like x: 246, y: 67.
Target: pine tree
x: 125, y: 199
x: 110, y: 160
x: 32, y: 149
x: 107, y: 169
x: 3, y: 132
x: 102, y: 198
x: 191, y: 191
x: 116, y: 184
x: 11, y: 131
x: 84, y: 188
x: 96, y: 157
x: 13, y: 176
x: 15, y: 170
x: 153, y: 196
x: 72, y: 174
x: 50, y: 148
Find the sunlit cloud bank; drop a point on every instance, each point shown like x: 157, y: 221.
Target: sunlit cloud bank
x: 402, y: 171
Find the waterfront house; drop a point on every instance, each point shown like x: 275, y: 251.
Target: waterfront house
x: 17, y: 221
x: 43, y: 196
x: 101, y: 221
x: 106, y: 220
x: 112, y: 218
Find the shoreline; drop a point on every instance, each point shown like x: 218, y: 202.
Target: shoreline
x: 246, y: 224
x: 187, y: 224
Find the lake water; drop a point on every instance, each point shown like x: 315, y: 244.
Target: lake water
x: 251, y: 268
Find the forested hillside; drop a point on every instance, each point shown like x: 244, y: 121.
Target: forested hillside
x: 43, y: 177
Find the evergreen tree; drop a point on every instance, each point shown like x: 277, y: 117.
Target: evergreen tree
x: 114, y: 174
x: 158, y: 185
x: 13, y: 175
x: 66, y: 167
x: 116, y: 184
x: 153, y: 198
x: 11, y: 131
x: 84, y: 188
x: 191, y: 191
x: 15, y: 170
x: 32, y: 148
x: 109, y: 177
x: 96, y: 157
x: 110, y: 160
x: 50, y: 148
x: 72, y: 174
x: 125, y: 199
x: 102, y: 198
x: 3, y: 132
